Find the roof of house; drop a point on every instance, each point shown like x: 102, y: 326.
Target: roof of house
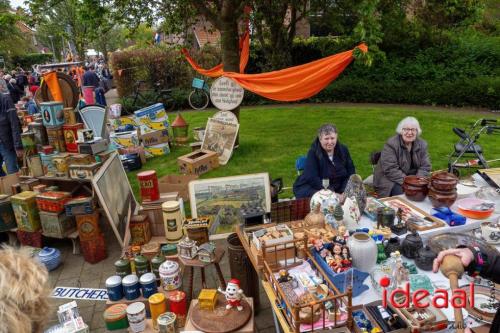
x: 209, y: 247
x: 205, y: 33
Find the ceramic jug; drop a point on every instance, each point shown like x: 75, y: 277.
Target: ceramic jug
x: 363, y: 251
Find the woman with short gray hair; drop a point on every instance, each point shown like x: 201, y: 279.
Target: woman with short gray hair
x: 404, y: 154
x: 327, y: 159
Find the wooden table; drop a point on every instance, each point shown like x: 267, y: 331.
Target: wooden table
x: 189, y: 265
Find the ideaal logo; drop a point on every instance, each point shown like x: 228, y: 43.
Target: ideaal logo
x: 440, y: 299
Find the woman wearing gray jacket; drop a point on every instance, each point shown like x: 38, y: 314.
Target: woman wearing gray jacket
x: 404, y: 154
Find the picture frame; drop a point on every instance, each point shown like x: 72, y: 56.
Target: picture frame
x: 220, y: 137
x: 372, y: 204
x: 221, y: 199
x: 421, y: 220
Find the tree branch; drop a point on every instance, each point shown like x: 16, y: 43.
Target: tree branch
x: 205, y: 11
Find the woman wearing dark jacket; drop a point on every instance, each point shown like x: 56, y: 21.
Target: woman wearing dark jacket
x: 327, y: 159
x: 15, y: 92
x: 404, y: 154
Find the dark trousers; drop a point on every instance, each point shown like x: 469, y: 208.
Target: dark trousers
x: 396, y: 190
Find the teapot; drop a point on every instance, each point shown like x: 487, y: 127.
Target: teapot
x: 392, y: 245
x: 425, y: 258
x: 411, y: 245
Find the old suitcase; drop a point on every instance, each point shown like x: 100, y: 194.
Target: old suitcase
x: 140, y: 231
x: 7, y: 217
x: 70, y: 136
x: 88, y: 226
x: 26, y: 211
x: 57, y: 225
x: 52, y: 201
x: 93, y: 250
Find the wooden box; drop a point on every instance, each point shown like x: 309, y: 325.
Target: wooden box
x: 52, y: 201
x: 88, y: 226
x: 29, y: 238
x: 93, y: 147
x: 140, y: 232
x: 7, y: 217
x: 80, y: 159
x: 69, y: 116
x: 28, y: 184
x: 52, y: 113
x: 56, y: 138
x: 26, y: 211
x: 57, y: 225
x: 79, y: 206
x: 70, y: 136
x: 94, y: 250
x: 198, y: 162
x: 83, y: 171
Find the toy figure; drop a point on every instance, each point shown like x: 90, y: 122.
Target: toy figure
x: 342, y: 232
x: 233, y: 294
x: 400, y: 273
x: 321, y: 248
x: 399, y: 215
x: 346, y: 258
x: 337, y: 249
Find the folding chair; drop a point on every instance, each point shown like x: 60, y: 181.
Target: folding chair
x: 300, y: 164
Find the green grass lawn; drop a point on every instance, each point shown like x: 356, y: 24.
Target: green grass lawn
x: 272, y: 137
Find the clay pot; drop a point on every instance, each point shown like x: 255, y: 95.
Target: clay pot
x: 444, y: 181
x: 415, y: 187
x: 442, y: 198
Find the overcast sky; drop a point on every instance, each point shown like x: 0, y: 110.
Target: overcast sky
x: 16, y: 3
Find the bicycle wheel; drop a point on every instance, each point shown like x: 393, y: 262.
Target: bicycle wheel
x: 198, y: 99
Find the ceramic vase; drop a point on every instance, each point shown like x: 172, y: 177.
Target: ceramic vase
x: 50, y: 257
x: 363, y: 251
x: 352, y: 215
x: 324, y: 198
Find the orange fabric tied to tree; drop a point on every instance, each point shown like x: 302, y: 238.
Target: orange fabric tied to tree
x: 53, y: 83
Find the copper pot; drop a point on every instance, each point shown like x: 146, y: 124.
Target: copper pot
x: 442, y: 198
x: 444, y: 181
x: 415, y: 187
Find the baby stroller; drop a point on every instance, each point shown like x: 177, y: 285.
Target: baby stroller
x: 468, y: 148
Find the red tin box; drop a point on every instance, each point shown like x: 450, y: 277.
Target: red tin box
x: 52, y: 201
x: 149, y: 185
x: 70, y: 136
x: 94, y: 250
x: 28, y: 238
x: 47, y: 150
x: 88, y: 226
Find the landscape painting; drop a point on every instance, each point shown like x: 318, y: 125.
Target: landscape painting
x: 221, y: 199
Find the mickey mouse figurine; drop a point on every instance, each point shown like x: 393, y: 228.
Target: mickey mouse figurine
x: 234, y: 294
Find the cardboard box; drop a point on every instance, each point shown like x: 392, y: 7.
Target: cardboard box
x: 158, y: 150
x: 198, y: 162
x: 176, y: 183
x: 154, y: 138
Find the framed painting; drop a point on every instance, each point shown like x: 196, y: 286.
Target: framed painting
x: 418, y: 219
x: 221, y: 199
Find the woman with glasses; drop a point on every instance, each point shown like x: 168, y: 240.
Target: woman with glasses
x: 404, y: 154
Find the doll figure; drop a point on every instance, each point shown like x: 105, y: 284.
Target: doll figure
x: 337, y: 249
x: 234, y: 294
x: 321, y: 248
x: 346, y: 258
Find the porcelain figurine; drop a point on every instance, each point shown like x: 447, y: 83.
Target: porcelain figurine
x: 234, y: 294
x: 352, y: 214
x: 330, y: 217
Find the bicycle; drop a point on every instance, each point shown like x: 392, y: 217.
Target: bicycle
x: 145, y: 97
x: 199, y: 97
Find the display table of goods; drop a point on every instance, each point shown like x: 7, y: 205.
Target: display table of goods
x: 401, y: 251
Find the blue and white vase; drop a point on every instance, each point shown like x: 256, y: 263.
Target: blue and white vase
x: 50, y: 257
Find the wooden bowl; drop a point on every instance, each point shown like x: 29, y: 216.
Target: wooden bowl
x: 444, y: 181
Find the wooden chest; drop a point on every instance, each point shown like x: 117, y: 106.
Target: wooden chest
x: 79, y: 206
x: 80, y: 159
x: 29, y: 238
x: 56, y: 138
x: 52, y: 201
x: 7, y: 217
x: 70, y: 136
x: 83, y: 171
x: 26, y: 211
x: 52, y: 113
x: 57, y: 225
x: 198, y: 162
x: 69, y: 116
x: 93, y: 250
x: 88, y: 226
x: 140, y: 231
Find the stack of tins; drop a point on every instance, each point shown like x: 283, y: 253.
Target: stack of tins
x: 115, y: 317
x: 27, y: 218
x: 56, y: 138
x: 55, y: 223
x: 140, y: 231
x: 70, y: 136
x: 7, y: 218
x: 40, y: 133
x: 148, y: 181
x: 92, y: 242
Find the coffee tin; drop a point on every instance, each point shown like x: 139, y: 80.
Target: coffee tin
x: 136, y: 314
x: 158, y: 306
x: 148, y: 182
x: 166, y: 323
x: 114, y: 287
x: 148, y: 285
x: 131, y: 287
x: 122, y: 267
x: 115, y: 317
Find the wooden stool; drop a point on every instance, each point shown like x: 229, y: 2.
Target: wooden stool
x: 189, y: 264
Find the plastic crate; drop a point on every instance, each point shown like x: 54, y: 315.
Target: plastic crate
x: 198, y: 83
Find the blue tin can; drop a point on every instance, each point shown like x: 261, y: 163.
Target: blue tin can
x: 148, y: 284
x: 114, y: 287
x: 131, y: 288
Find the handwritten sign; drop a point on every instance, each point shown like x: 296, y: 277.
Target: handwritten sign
x: 80, y: 293
x: 226, y: 94
x: 226, y: 116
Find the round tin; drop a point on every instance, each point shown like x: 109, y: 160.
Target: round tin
x: 131, y: 287
x: 122, y: 267
x: 141, y: 265
x: 172, y: 219
x: 169, y: 249
x: 148, y: 284
x: 114, y: 287
x: 136, y: 314
x: 166, y: 323
x: 170, y: 275
x: 178, y: 305
x: 156, y: 263
x: 115, y: 317
x: 157, y: 305
x: 148, y: 181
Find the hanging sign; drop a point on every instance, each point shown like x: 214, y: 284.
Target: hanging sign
x: 80, y: 293
x: 226, y: 94
x: 226, y: 116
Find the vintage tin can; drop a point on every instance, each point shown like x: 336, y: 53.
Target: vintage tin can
x: 79, y: 206
x: 48, y: 149
x: 35, y: 166
x: 156, y: 263
x: 141, y: 265
x: 69, y: 116
x: 122, y: 267
x: 52, y: 201
x: 70, y: 136
x: 150, y: 250
x: 56, y: 138
x: 140, y: 231
x: 40, y: 188
x: 115, y: 317
x: 28, y: 184
x: 114, y: 287
x: 88, y: 226
x: 148, y: 284
x: 57, y: 225
x: 169, y: 249
x: 28, y: 238
x: 28, y: 141
x: 172, y: 219
x: 26, y: 212
x: 52, y: 113
x: 131, y: 288
x: 148, y: 181
x: 94, y: 250
x: 40, y: 133
x: 60, y: 162
x: 15, y: 188
x: 48, y: 164
x: 83, y: 171
x: 136, y: 314
x: 170, y: 275
x: 157, y: 306
x: 7, y: 217
x: 80, y: 159
x: 178, y: 305
x: 167, y: 323
x: 85, y: 135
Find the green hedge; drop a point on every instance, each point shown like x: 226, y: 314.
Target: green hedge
x: 30, y: 59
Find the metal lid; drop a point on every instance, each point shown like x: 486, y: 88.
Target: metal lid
x: 166, y: 318
x: 147, y: 278
x: 115, y: 312
x: 141, y: 260
x: 157, y: 298
x: 158, y: 259
x: 113, y: 281
x: 169, y: 206
x: 123, y: 262
x: 168, y: 267
x: 136, y: 308
x: 130, y: 280
x: 147, y: 173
